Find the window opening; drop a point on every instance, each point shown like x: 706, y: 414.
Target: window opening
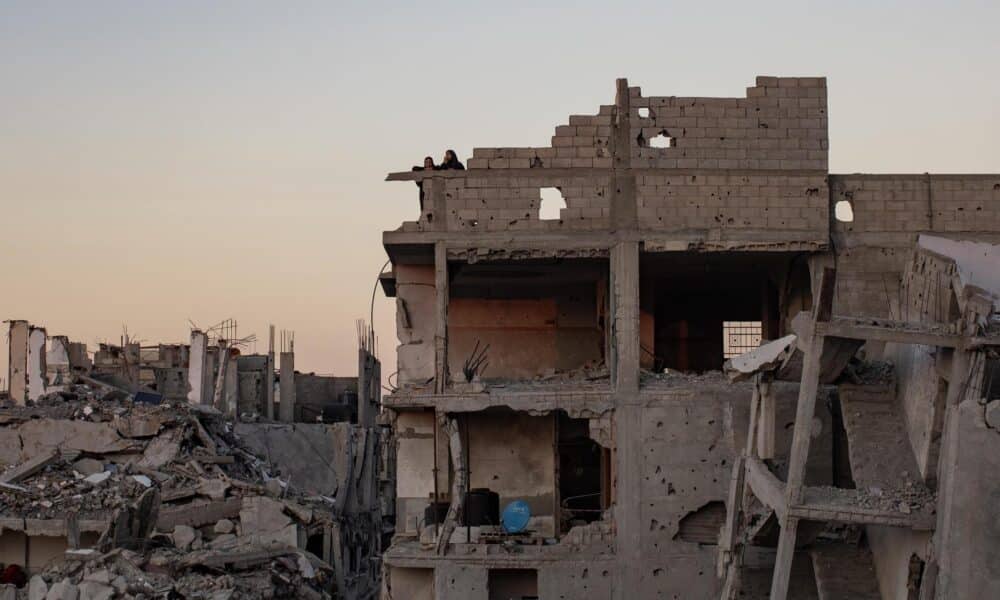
x: 552, y: 204
x: 740, y: 336
x: 843, y: 211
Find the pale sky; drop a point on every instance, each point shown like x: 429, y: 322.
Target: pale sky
x: 161, y: 161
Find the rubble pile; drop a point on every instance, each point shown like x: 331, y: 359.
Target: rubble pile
x: 183, y: 509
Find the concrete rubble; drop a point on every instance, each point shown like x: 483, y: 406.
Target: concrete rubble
x: 111, y: 490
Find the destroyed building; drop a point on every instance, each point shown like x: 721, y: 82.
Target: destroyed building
x: 563, y: 424
x: 188, y: 471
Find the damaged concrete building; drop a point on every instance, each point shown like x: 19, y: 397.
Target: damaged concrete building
x: 569, y: 370
x: 161, y: 471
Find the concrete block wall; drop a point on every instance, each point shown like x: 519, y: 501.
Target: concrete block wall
x: 415, y: 298
x: 781, y: 124
x: 526, y: 337
x: 691, y: 436
x: 778, y: 131
x: 582, y: 143
x: 497, y: 204
x: 889, y: 212
x: 670, y: 202
x: 912, y: 203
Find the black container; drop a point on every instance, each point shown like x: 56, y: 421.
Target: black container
x: 432, y: 516
x: 482, y: 507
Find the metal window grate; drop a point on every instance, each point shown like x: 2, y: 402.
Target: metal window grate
x: 740, y: 336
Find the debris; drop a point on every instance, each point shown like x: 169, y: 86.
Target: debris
x: 30, y: 467
x: 98, y: 478
x: 184, y: 536
x: 37, y: 588
x: 224, y: 526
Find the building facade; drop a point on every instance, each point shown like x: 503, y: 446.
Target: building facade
x: 575, y: 364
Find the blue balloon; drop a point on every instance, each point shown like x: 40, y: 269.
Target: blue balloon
x: 515, y: 516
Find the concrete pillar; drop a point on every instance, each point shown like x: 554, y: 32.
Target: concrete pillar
x: 287, y: 383
x: 441, y: 317
x: 17, y: 370
x: 802, y: 434
x: 269, y: 377
x: 198, y: 367
x: 57, y: 360
x: 231, y: 394
x: 624, y: 280
x: 625, y: 313
x: 37, y: 374
x: 218, y: 398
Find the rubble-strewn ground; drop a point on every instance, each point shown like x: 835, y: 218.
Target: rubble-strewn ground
x: 184, y: 510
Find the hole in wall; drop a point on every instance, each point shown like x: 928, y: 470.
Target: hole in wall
x: 643, y: 113
x: 843, y: 211
x: 552, y: 204
x: 661, y: 141
x: 702, y: 525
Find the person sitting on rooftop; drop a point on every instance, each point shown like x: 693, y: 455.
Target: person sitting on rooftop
x: 428, y: 166
x: 451, y: 161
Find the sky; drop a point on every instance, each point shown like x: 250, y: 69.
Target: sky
x: 166, y: 161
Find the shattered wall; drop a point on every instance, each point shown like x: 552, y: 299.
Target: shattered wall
x: 526, y: 337
x: 522, y: 471
x: 968, y: 546
x: 414, y: 436
x: 17, y: 370
x: 780, y: 127
x: 415, y: 323
x: 889, y: 211
x: 691, y: 434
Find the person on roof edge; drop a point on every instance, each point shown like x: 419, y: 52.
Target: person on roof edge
x: 451, y: 162
x: 428, y: 166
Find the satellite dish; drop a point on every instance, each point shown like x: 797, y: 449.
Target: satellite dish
x: 515, y: 516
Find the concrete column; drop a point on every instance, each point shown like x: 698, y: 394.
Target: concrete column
x: 624, y: 280
x: 269, y: 377
x: 37, y: 375
x: 802, y: 434
x: 218, y: 393
x: 232, y: 390
x: 625, y: 316
x: 197, y: 367
x: 17, y: 370
x: 57, y: 360
x: 287, y: 383
x: 441, y: 317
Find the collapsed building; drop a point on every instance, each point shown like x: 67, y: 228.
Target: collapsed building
x: 570, y: 369
x: 188, y: 471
